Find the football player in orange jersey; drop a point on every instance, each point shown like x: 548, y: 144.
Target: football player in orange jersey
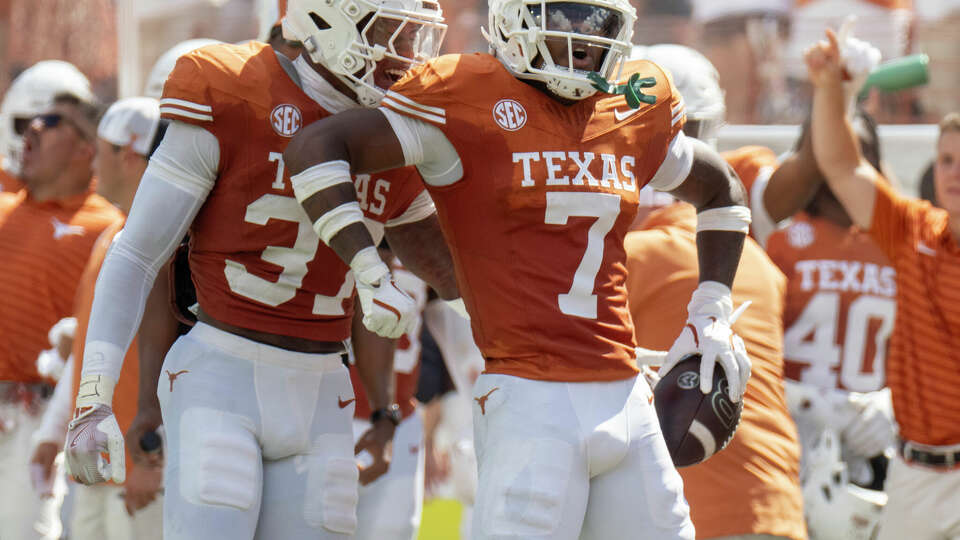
x: 258, y: 444
x: 535, y: 175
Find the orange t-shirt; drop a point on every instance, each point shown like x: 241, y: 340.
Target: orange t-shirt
x: 255, y: 259
x: 45, y: 248
x: 841, y: 292
x: 9, y: 183
x: 536, y: 223
x: 923, y: 367
x: 128, y: 386
x: 752, y: 486
x: 406, y: 358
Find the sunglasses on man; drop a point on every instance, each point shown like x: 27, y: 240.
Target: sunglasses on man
x: 52, y: 120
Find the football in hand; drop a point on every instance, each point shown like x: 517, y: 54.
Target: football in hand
x: 695, y: 425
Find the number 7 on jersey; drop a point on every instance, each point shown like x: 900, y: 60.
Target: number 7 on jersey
x: 580, y: 301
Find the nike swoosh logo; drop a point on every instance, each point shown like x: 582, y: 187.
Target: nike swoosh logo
x: 623, y: 115
x: 76, y: 438
x: 343, y: 404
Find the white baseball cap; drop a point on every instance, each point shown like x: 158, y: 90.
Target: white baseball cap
x: 132, y: 121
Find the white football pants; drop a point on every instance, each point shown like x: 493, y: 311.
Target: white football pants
x: 391, y: 506
x: 923, y: 503
x: 99, y: 514
x: 23, y: 514
x: 563, y: 461
x: 258, y: 445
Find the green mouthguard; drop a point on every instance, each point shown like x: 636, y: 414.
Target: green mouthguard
x: 631, y: 90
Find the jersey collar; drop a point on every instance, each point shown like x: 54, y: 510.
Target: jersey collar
x: 320, y: 90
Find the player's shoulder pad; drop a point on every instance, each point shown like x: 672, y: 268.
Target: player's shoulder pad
x: 662, y: 88
x: 210, y: 75
x: 447, y: 79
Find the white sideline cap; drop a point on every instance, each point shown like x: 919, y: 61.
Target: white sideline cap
x: 132, y: 121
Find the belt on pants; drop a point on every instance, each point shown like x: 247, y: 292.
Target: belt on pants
x: 931, y: 456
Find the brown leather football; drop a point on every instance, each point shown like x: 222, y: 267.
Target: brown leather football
x: 695, y: 425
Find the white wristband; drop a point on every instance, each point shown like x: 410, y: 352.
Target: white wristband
x: 728, y: 218
x: 368, y: 267
x: 95, y: 390
x: 332, y: 222
x: 320, y: 177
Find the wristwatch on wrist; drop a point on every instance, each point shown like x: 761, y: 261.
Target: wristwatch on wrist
x: 391, y: 413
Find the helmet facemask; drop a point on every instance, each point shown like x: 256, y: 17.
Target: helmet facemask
x: 367, y: 44
x: 563, y: 46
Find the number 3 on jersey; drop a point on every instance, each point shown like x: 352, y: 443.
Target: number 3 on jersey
x: 293, y: 260
x: 580, y: 301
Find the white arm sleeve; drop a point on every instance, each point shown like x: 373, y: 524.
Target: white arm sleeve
x: 180, y: 175
x: 425, y: 146
x: 53, y: 423
x: 676, y: 165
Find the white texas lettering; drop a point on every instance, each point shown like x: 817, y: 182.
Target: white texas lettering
x: 846, y: 276
x: 558, y: 167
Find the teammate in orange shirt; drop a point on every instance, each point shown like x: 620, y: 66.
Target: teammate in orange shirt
x: 923, y: 244
x: 535, y: 175
x: 752, y: 486
x: 256, y: 442
x: 46, y: 233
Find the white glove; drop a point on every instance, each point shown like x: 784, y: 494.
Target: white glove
x: 859, y: 59
x: 707, y: 332
x: 387, y: 311
x: 94, y: 430
x: 50, y: 364
x: 872, y: 430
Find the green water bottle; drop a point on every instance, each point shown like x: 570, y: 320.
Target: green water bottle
x: 899, y: 74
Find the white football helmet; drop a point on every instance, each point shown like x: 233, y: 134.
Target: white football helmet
x: 168, y: 60
x: 341, y: 36
x: 30, y: 94
x: 834, y: 508
x: 697, y: 80
x: 519, y: 36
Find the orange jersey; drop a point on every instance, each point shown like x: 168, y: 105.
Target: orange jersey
x: 406, y: 359
x: 9, y: 183
x: 752, y: 486
x: 536, y: 223
x: 125, y: 396
x: 256, y: 261
x: 923, y: 369
x: 841, y: 304
x: 751, y: 163
x: 45, y: 248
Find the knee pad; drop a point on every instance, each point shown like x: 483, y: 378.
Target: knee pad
x: 523, y: 487
x: 332, y: 484
x: 220, y: 462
